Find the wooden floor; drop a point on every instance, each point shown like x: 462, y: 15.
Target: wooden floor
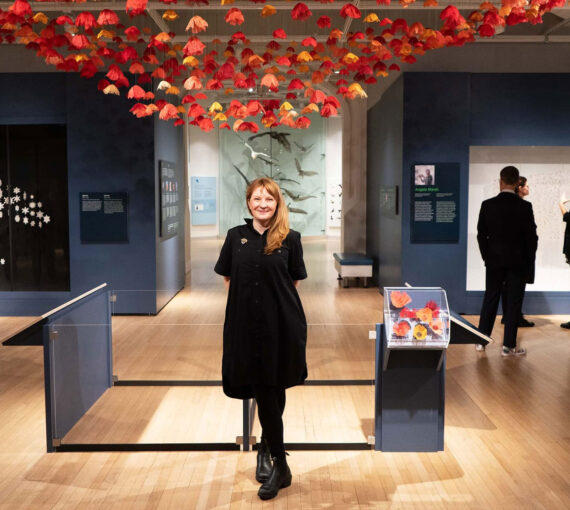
x: 507, y: 435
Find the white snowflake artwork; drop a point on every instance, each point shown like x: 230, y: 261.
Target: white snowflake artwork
x: 2, y: 262
x: 28, y: 210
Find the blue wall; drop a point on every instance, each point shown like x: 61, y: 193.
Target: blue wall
x: 108, y: 150
x: 445, y: 113
x: 384, y: 169
x: 170, y: 267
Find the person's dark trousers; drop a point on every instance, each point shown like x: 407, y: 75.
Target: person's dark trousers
x: 270, y: 407
x: 513, y: 281
x: 505, y: 300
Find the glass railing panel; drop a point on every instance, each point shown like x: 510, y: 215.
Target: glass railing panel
x: 80, y: 370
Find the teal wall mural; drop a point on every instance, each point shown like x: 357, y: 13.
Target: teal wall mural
x: 294, y: 158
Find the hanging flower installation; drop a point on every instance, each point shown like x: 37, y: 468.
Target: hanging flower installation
x: 96, y: 40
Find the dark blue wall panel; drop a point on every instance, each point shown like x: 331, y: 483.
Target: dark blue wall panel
x: 108, y: 150
x: 32, y: 98
x: 384, y: 169
x: 520, y: 109
x: 436, y: 130
x: 170, y: 270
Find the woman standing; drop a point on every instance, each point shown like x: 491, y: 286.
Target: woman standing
x: 265, y: 330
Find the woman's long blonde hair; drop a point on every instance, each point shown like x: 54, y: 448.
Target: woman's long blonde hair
x: 279, y: 224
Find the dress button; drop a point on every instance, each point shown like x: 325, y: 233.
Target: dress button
x: 256, y: 265
x: 256, y: 284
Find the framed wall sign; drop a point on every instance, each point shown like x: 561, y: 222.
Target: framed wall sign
x: 435, y: 203
x: 104, y: 217
x: 169, y: 200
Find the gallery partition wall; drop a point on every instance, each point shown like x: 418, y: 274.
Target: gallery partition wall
x: 34, y: 242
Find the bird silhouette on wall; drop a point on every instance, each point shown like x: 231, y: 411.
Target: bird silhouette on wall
x: 278, y: 136
x: 303, y: 173
x: 304, y: 149
x: 266, y: 158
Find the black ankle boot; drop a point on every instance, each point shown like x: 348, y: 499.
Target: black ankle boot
x: 279, y: 478
x: 264, y: 465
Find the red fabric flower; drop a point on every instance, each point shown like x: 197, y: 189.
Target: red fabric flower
x: 296, y: 84
x: 486, y: 30
x: 302, y: 122
x: 350, y: 11
x: 301, y: 12
x: 107, y: 17
x: 169, y: 111
x: 21, y: 8
x: 324, y: 22
x: 194, y: 47
x: 234, y: 16
x: 136, y: 7
x: 86, y: 20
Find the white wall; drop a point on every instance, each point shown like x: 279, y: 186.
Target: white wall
x: 548, y: 172
x: 333, y: 167
x: 204, y: 162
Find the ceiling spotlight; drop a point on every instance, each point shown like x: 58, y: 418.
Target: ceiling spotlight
x: 250, y: 90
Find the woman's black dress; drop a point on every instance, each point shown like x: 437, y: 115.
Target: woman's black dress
x: 566, y: 247
x: 265, y: 330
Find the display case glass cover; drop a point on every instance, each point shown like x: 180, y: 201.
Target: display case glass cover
x: 416, y: 317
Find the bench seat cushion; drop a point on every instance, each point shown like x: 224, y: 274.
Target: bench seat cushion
x: 352, y: 259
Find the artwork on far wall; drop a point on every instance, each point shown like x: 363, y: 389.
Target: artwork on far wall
x: 169, y: 200
x: 294, y: 158
x: 548, y: 172
x: 203, y: 200
x: 34, y: 235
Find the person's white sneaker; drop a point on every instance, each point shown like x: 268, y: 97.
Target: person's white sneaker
x: 506, y: 352
x: 479, y: 348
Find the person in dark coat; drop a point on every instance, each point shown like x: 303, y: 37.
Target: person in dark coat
x: 506, y: 233
x: 522, y: 190
x: 265, y: 330
x: 566, y: 247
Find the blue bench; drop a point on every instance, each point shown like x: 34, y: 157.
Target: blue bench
x: 352, y: 265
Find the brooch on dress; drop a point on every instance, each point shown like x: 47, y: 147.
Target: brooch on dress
x: 243, y: 240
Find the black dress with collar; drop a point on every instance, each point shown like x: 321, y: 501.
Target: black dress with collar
x: 265, y: 330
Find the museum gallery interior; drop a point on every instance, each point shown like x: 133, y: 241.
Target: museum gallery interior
x: 129, y: 132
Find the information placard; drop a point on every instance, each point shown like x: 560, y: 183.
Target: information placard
x: 388, y: 202
x: 103, y: 217
x: 169, y: 200
x: 435, y: 203
x: 203, y: 200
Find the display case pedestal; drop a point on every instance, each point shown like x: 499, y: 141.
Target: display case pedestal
x: 410, y: 397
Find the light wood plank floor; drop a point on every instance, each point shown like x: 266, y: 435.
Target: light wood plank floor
x: 507, y: 443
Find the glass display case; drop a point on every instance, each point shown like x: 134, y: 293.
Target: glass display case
x: 416, y: 318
